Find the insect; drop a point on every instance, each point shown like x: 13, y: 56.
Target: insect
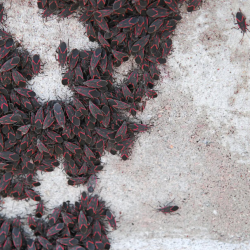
x: 73, y: 58
x: 17, y: 237
x: 32, y: 194
x: 241, y: 21
x: 39, y: 209
x: 31, y: 222
x: 44, y: 242
x: 83, y: 223
x: 62, y: 53
x: 68, y: 76
x: 55, y: 229
x: 172, y: 5
x: 54, y: 216
x: 193, y: 4
x: 96, y: 56
x: 111, y: 219
x: 168, y: 209
x: 92, y: 183
x: 1, y: 13
x: 10, y: 64
x: 4, y: 50
x: 31, y: 244
x: 140, y: 44
x: 67, y: 241
x: 59, y: 115
x: 18, y: 78
x: 36, y: 64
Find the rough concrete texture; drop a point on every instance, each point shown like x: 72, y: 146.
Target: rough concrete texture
x: 197, y: 149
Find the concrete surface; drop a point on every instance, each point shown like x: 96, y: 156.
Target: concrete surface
x: 197, y: 151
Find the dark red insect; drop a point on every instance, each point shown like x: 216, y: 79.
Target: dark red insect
x: 92, y: 181
x: 129, y: 22
x: 18, y: 78
x: 54, y: 216
x: 9, y: 156
x: 17, y: 190
x: 82, y: 221
x: 96, y: 56
x: 39, y: 209
x: 158, y: 12
x: 62, y: 53
x: 92, y: 206
x: 45, y: 243
x: 111, y: 219
x: 1, y: 13
x: 155, y: 25
x: 4, y: 50
x: 241, y: 21
x: 118, y: 104
x: 67, y: 241
x: 53, y: 5
x: 36, y: 64
x: 5, y: 181
x: 77, y: 181
x: 31, y: 244
x: 10, y: 64
x: 55, y: 229
x: 96, y: 112
x: 17, y: 237
x: 87, y: 92
x: 68, y: 77
x: 67, y: 220
x: 118, y: 4
x: 122, y: 57
x: 193, y: 4
x: 73, y: 58
x: 172, y: 5
x: 59, y: 115
x: 140, y: 44
x: 168, y: 209
x: 96, y: 83
x: 41, y: 4
x: 32, y: 194
x: 31, y: 222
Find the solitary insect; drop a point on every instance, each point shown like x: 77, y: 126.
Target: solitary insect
x: 241, y: 21
x: 168, y: 209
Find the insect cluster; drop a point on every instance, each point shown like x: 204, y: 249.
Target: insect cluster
x: 33, y: 137
x: 76, y: 227
x: 137, y: 27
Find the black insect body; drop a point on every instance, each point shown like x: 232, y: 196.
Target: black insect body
x: 241, y: 22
